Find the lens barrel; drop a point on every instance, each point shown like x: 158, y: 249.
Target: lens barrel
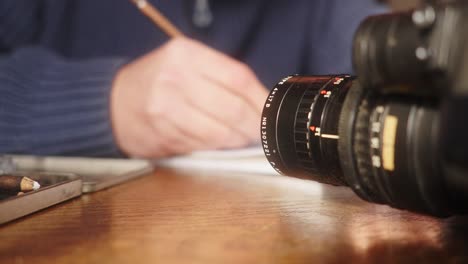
x: 332, y: 130
x: 385, y: 54
x: 299, y: 126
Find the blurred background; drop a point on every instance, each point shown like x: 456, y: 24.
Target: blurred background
x: 403, y: 4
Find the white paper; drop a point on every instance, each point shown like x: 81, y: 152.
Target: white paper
x: 247, y: 160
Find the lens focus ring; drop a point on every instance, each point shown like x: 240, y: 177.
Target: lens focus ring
x: 302, y: 131
x: 300, y: 126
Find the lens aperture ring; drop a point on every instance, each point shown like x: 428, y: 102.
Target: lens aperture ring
x: 376, y: 121
x: 362, y: 152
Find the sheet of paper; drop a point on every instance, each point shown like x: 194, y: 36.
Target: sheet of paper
x: 248, y: 160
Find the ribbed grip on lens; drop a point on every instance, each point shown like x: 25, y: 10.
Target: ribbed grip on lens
x: 302, y: 130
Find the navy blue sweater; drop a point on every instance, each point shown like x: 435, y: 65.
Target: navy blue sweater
x: 59, y: 57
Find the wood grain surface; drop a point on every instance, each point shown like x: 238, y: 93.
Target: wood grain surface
x: 181, y: 217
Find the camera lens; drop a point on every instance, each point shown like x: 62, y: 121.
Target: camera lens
x: 299, y: 126
x: 386, y: 55
x: 329, y: 129
x: 388, y: 151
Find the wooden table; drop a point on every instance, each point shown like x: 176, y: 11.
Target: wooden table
x: 177, y: 217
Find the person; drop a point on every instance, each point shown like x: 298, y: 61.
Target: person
x: 97, y: 78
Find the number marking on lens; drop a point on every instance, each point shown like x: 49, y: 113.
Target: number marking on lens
x: 271, y: 97
x: 375, y: 143
x: 338, y: 80
x: 380, y: 109
x: 284, y: 80
x: 326, y: 94
x: 376, y: 127
x: 264, y: 137
x: 317, y: 132
x: 376, y: 161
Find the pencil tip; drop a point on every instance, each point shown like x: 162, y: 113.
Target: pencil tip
x: 36, y: 185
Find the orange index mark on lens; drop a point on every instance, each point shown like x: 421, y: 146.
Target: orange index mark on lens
x: 312, y: 128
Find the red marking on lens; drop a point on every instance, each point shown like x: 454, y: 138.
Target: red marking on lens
x: 312, y: 128
x: 323, y: 92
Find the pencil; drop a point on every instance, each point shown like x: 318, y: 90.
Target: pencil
x: 15, y: 184
x: 158, y: 18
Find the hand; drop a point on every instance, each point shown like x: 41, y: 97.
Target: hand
x: 182, y: 97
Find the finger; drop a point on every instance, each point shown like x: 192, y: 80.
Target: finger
x: 227, y: 108
x: 189, y: 122
x: 159, y: 137
x: 170, y: 140
x: 249, y: 88
x: 212, y: 133
x: 229, y: 73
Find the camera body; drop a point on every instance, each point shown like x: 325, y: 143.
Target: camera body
x: 397, y: 133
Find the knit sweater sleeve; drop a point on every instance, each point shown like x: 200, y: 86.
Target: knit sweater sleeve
x: 53, y: 106
x: 50, y: 105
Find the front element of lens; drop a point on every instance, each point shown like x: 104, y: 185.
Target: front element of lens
x: 299, y: 126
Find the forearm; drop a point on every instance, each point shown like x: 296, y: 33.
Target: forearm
x: 50, y: 106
